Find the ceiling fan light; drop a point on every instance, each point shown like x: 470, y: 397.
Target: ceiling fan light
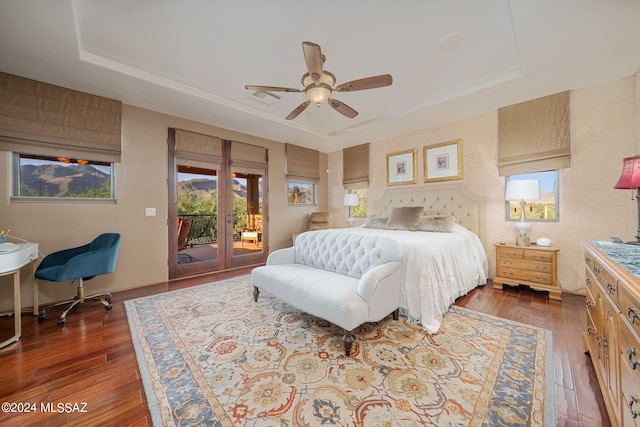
x: 318, y: 93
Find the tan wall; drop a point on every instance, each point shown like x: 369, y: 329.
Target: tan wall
x: 141, y: 183
x: 604, y: 129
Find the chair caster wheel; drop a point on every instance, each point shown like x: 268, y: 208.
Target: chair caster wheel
x: 42, y: 316
x: 108, y: 298
x: 62, y: 321
x: 108, y: 307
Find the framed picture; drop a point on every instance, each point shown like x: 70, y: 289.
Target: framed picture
x: 401, y: 168
x: 443, y: 162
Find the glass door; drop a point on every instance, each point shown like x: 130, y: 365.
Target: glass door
x: 248, y: 233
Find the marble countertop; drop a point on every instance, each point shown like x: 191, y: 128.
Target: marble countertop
x: 627, y: 256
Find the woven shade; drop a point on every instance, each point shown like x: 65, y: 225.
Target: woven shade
x: 197, y: 150
x: 248, y: 158
x: 47, y: 120
x: 303, y: 164
x: 534, y: 136
x: 355, y: 167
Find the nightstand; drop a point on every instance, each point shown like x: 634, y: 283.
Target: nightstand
x: 534, y: 266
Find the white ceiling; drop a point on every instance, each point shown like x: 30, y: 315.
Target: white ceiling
x: 192, y: 58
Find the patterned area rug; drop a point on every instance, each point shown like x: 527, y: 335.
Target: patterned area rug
x: 209, y: 355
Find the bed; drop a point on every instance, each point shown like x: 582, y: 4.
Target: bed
x: 437, y: 267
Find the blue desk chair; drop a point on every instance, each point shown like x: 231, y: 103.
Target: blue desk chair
x: 81, y: 263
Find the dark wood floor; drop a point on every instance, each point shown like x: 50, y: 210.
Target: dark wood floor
x: 91, y: 360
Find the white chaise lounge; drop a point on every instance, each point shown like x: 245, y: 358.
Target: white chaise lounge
x: 345, y: 279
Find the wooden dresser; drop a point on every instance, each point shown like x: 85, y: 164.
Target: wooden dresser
x: 534, y: 266
x: 612, y: 332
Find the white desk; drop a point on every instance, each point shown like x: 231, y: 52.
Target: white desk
x: 10, y: 264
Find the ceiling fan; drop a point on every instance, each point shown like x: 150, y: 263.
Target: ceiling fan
x: 318, y: 84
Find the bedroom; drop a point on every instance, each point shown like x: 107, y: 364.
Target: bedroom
x: 605, y: 122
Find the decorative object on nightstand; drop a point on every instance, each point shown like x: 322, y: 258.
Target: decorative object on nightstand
x: 536, y: 267
x: 630, y: 180
x: 522, y: 190
x: 350, y: 200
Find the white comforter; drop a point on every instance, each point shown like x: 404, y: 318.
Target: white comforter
x: 437, y: 269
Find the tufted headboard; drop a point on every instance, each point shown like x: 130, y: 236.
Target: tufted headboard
x: 439, y: 199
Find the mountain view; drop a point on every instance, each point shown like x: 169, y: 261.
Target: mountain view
x: 74, y: 180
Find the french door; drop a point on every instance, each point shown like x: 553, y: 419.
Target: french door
x: 217, y: 204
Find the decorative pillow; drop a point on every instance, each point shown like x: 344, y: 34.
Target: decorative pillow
x: 376, y: 222
x: 405, y: 218
x: 438, y: 223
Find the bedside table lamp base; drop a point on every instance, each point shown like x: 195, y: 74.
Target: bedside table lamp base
x: 523, y: 241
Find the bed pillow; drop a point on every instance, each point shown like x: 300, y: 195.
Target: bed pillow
x: 405, y: 218
x: 377, y: 222
x: 437, y: 223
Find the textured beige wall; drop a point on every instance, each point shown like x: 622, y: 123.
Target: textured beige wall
x: 141, y: 183
x: 604, y: 129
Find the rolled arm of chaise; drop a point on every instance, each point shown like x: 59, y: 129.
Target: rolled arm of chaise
x: 372, y: 282
x: 281, y: 256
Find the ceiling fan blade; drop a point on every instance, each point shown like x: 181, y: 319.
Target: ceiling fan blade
x: 366, y: 83
x: 299, y: 109
x: 272, y: 88
x: 342, y: 108
x: 313, y: 59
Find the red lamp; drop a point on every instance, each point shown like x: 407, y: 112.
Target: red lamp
x: 629, y: 180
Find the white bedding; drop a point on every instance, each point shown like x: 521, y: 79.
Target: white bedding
x: 437, y: 269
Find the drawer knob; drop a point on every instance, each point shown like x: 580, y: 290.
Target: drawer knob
x: 633, y: 399
x: 587, y: 260
x: 588, y: 281
x: 590, y: 330
x: 611, y: 288
x: 631, y: 352
x: 632, y: 315
x: 588, y: 304
x: 596, y: 270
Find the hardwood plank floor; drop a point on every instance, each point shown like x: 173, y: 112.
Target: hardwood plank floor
x: 91, y: 359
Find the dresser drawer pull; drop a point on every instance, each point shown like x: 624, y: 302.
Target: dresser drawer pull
x: 542, y: 267
x: 632, y: 315
x: 633, y: 399
x: 602, y: 341
x: 588, y: 304
x: 590, y: 330
x: 511, y: 253
x: 596, y: 270
x: 588, y: 281
x: 611, y: 288
x: 631, y: 352
x: 587, y: 260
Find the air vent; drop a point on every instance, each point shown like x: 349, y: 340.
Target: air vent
x: 265, y: 97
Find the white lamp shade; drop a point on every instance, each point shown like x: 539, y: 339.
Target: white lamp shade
x: 523, y: 189
x: 351, y: 199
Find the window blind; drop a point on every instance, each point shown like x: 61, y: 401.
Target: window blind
x: 198, y: 150
x: 303, y: 164
x: 43, y: 119
x: 534, y: 136
x: 248, y: 158
x: 355, y: 167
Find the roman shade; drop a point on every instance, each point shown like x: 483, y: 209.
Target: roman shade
x: 303, y: 164
x: 355, y: 167
x: 42, y: 119
x: 198, y: 150
x: 248, y: 158
x: 534, y: 136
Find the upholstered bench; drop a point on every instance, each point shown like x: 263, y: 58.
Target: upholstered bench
x: 346, y: 279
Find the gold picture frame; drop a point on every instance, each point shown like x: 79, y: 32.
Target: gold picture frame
x: 443, y: 162
x: 402, y: 168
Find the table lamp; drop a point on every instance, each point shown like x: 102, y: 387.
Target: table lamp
x: 630, y: 180
x: 351, y: 199
x: 522, y: 190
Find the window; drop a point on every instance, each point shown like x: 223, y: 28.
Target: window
x: 43, y: 177
x: 301, y: 193
x: 359, y: 211
x: 543, y: 210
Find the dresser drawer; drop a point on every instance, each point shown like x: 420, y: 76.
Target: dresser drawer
x: 540, y: 256
x: 630, y: 309
x: 630, y: 372
x: 607, y: 281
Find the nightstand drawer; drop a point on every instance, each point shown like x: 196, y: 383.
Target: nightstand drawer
x: 525, y: 265
x: 529, y: 276
x: 511, y: 253
x: 538, y: 256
